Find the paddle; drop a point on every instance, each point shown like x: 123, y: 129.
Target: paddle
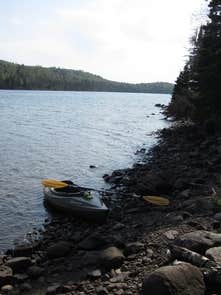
x: 52, y: 183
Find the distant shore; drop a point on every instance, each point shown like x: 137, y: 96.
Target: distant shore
x: 21, y: 77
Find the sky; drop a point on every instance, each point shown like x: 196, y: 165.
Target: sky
x: 121, y: 40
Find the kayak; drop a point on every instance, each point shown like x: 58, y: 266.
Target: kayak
x: 78, y: 201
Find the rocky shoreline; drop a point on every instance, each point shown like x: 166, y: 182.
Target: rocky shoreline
x: 140, y: 248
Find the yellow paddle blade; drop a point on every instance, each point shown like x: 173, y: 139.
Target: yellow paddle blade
x: 157, y: 200
x: 53, y: 183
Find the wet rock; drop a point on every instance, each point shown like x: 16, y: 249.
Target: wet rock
x: 5, y: 275
x: 199, y: 241
x: 214, y: 254
x: 133, y: 248
x: 59, y: 249
x: 106, y: 177
x: 23, y: 250
x: 111, y: 257
x: 35, y: 271
x: 181, y: 279
x: 19, y: 264
x: 7, y: 289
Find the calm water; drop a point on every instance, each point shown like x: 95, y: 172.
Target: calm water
x: 46, y: 134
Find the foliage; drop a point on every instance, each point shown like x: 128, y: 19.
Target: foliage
x: 198, y: 85
x: 15, y: 76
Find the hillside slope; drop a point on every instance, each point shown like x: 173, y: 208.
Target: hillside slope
x: 16, y: 76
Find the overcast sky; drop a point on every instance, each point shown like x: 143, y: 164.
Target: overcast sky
x: 122, y: 40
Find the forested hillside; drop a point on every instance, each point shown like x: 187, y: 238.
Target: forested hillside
x: 15, y: 76
x: 197, y: 92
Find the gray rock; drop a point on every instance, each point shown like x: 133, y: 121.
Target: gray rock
x: 111, y: 257
x: 19, y: 264
x: 59, y: 249
x: 133, y: 248
x: 35, y: 271
x: 171, y: 234
x: 149, y: 253
x: 199, y: 241
x: 181, y: 279
x: 217, y: 216
x: 118, y: 226
x: 214, y: 254
x: 95, y: 274
x: 101, y: 291
x: 51, y: 290
x: 5, y: 275
x: 7, y: 289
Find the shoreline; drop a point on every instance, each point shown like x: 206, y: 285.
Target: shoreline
x: 76, y: 257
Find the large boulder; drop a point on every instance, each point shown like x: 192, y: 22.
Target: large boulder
x: 19, y: 264
x: 5, y: 275
x: 111, y: 257
x: 199, y: 241
x: 181, y: 279
x: 214, y: 254
x: 59, y: 249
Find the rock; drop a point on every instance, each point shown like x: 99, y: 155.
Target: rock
x: 149, y: 253
x: 7, y: 289
x: 101, y: 291
x: 185, y: 193
x: 118, y: 226
x: 35, y: 272
x: 111, y: 257
x: 181, y: 279
x: 133, y: 248
x: 5, y: 275
x: 199, y: 241
x: 19, y: 264
x: 95, y: 274
x: 93, y: 242
x: 23, y: 250
x: 91, y: 258
x: 25, y: 287
x: 171, y: 234
x: 51, y: 290
x: 217, y: 216
x: 214, y: 254
x: 20, y: 278
x: 59, y: 249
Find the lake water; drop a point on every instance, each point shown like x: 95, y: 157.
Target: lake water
x: 47, y: 134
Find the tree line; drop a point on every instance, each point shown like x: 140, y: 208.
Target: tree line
x: 16, y: 76
x: 197, y: 91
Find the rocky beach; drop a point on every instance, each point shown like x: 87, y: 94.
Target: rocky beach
x: 140, y: 248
